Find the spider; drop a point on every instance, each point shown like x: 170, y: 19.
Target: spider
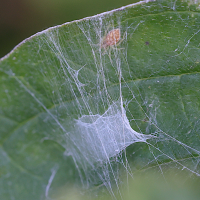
x: 111, y: 39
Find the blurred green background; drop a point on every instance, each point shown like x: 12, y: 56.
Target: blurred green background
x: 149, y: 185
x: 20, y: 19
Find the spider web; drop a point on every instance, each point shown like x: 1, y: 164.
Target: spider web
x: 109, y: 101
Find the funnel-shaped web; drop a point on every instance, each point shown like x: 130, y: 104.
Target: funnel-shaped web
x: 97, y: 138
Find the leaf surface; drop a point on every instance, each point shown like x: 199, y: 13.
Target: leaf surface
x: 59, y: 88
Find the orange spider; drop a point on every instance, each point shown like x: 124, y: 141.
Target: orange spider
x: 112, y: 38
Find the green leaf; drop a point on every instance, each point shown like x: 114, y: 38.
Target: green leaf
x: 74, y: 112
